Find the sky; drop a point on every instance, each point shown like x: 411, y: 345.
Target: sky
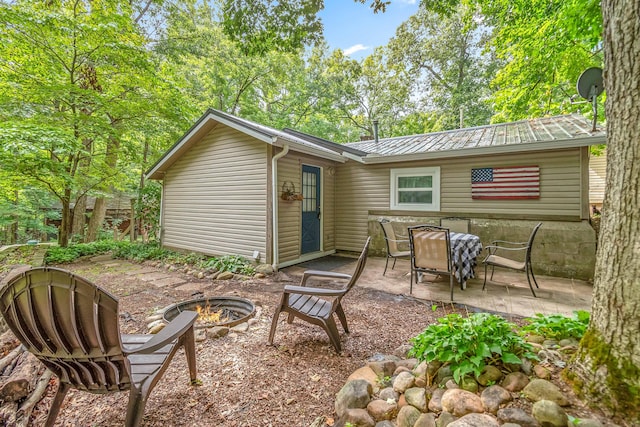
x: 354, y: 28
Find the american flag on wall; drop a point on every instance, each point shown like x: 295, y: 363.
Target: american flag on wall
x: 518, y: 182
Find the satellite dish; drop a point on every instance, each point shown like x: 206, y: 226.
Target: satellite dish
x: 590, y: 83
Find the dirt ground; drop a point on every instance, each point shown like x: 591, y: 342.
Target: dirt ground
x: 246, y: 382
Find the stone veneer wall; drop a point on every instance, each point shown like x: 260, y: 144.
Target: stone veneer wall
x: 561, y: 248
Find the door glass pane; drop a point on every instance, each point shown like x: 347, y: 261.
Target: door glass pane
x: 309, y: 192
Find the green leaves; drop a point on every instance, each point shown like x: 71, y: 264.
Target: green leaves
x: 469, y: 344
x: 557, y: 326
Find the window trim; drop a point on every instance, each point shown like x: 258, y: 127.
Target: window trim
x: 432, y: 171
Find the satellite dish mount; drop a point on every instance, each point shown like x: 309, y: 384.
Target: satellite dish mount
x: 590, y: 85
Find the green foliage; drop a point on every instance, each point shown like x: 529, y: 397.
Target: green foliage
x: 557, y: 326
x: 469, y: 344
x: 232, y: 263
x: 61, y: 255
x: 140, y: 251
x: 148, y: 210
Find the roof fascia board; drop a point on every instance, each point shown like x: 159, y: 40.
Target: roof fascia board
x: 209, y: 115
x: 482, y: 151
x: 301, y: 148
x: 359, y: 159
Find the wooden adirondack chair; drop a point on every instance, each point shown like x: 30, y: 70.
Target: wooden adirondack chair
x: 317, y: 305
x: 71, y: 325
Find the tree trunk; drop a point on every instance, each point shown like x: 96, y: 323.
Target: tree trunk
x: 63, y: 232
x: 606, y: 369
x: 79, y: 218
x: 96, y: 220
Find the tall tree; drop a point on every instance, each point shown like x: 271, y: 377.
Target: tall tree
x: 606, y: 368
x: 76, y: 79
x: 451, y: 69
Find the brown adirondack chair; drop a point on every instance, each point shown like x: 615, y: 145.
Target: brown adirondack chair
x: 317, y: 305
x: 71, y: 325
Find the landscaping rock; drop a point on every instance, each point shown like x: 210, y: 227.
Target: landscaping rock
x: 443, y: 373
x: 435, y: 403
x: 402, y: 351
x: 549, y: 414
x: 385, y: 424
x: 461, y: 402
x: 382, y: 410
x: 469, y: 384
x: 516, y: 416
x: 384, y: 368
x: 407, y: 416
x: 403, y: 381
x: 355, y: 394
x: 490, y: 374
x: 493, y: 397
x: 389, y: 393
x: 540, y: 389
x: 445, y: 419
x: 475, y: 420
x: 515, y: 381
x: 401, y: 369
x: 264, y: 268
x: 416, y: 397
x: 408, y: 363
x: 225, y: 275
x: 367, y: 374
x: 542, y: 372
x: 358, y: 418
x: 451, y: 384
x: 426, y: 420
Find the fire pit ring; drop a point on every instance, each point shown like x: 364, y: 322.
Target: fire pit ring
x: 239, y: 310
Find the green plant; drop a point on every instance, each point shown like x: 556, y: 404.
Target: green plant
x: 557, y: 326
x: 232, y: 263
x: 140, y: 251
x: 469, y: 344
x: 61, y: 255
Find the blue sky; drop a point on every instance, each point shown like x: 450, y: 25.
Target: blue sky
x: 354, y: 28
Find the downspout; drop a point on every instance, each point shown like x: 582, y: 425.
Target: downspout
x: 274, y: 201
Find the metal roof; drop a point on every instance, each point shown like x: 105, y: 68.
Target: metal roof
x: 550, y: 133
x: 543, y: 133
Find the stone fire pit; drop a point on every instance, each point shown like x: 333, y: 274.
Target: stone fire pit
x: 232, y: 310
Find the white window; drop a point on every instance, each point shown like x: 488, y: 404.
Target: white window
x: 415, y: 189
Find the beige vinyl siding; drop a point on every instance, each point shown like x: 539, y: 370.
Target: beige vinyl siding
x: 290, y: 212
x: 367, y: 187
x: 597, y: 177
x: 215, y: 196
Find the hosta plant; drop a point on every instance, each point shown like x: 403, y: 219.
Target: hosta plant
x: 557, y: 326
x: 468, y: 344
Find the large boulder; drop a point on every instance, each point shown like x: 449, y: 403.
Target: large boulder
x: 355, y: 394
x: 461, y: 402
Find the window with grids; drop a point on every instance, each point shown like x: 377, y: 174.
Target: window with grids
x: 309, y: 192
x: 415, y: 189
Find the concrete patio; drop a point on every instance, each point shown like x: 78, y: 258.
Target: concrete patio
x: 508, y: 293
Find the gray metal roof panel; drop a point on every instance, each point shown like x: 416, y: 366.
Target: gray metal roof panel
x: 547, y: 129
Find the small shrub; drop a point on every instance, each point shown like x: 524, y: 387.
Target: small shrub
x: 469, y: 344
x: 558, y: 327
x: 62, y: 255
x: 232, y: 263
x: 140, y: 251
